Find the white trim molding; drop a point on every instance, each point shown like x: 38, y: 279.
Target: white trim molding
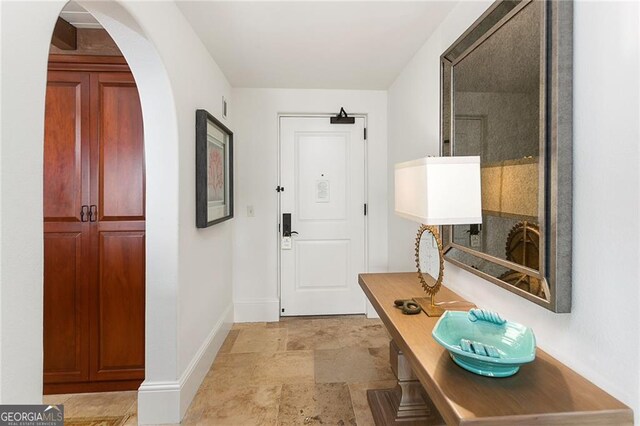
x: 168, y: 401
x: 371, y: 312
x: 257, y: 310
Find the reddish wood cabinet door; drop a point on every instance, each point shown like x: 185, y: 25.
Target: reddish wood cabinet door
x: 66, y: 228
x: 94, y: 233
x: 117, y: 351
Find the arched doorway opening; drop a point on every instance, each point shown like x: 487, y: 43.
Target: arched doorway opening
x: 94, y: 213
x: 21, y: 242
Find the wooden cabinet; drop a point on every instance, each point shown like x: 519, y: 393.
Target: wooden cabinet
x: 94, y: 227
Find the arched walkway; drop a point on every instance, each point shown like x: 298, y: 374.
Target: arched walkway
x: 21, y: 248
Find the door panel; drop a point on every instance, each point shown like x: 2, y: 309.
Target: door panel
x: 321, y: 161
x: 66, y: 326
x: 117, y: 349
x: 322, y: 169
x: 322, y: 264
x: 66, y: 237
x: 119, y: 323
x: 121, y: 148
x: 66, y: 130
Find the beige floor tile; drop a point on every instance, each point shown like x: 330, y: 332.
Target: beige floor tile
x: 371, y: 334
x: 285, y: 367
x: 260, y: 340
x: 99, y: 404
x: 315, y: 337
x: 131, y: 421
x: 251, y: 405
x: 238, y: 370
x: 320, y: 322
x: 381, y: 357
x: 134, y: 407
x: 295, y: 322
x: 342, y: 320
x: 250, y: 325
x: 328, y: 403
x: 231, y: 370
x: 229, y: 341
x: 336, y: 334
x: 311, y: 368
x: 56, y: 399
x: 358, y: 392
x: 352, y: 365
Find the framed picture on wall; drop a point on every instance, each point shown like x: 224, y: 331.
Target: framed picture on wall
x: 214, y: 170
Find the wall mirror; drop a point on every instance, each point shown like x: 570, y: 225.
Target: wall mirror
x: 506, y: 95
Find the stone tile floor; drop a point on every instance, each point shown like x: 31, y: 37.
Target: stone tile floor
x: 299, y: 371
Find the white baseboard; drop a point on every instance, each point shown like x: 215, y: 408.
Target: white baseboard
x: 257, y: 310
x: 167, y: 402
x: 159, y: 403
x: 371, y: 312
x: 194, y: 374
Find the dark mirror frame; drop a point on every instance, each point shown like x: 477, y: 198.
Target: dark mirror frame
x: 555, y: 186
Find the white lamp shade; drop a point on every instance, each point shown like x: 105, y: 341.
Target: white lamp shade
x: 439, y: 190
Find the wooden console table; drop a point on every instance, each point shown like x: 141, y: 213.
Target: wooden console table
x: 543, y: 392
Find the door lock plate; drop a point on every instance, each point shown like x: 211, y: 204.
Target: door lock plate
x: 286, y: 243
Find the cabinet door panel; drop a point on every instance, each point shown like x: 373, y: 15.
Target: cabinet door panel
x: 66, y: 131
x: 66, y: 339
x: 121, y: 163
x: 66, y: 238
x: 119, y: 322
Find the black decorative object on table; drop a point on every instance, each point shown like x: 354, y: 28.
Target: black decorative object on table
x: 409, y: 306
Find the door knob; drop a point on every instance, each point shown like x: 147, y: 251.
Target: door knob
x: 93, y: 213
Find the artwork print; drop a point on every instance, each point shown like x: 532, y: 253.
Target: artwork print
x: 214, y: 171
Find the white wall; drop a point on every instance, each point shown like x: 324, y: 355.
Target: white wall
x: 600, y: 338
x: 21, y: 244
x: 255, y: 249
x: 189, y: 304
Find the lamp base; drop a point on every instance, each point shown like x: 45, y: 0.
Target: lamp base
x: 426, y: 303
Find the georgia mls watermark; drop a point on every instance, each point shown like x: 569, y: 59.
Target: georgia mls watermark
x: 32, y: 415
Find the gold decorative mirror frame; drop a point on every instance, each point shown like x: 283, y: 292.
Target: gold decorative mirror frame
x: 431, y: 285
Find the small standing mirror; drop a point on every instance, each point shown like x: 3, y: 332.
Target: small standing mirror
x: 430, y: 263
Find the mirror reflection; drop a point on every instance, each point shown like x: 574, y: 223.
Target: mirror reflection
x: 496, y: 115
x: 429, y: 258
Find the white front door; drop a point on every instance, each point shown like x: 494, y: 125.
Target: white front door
x: 322, y: 171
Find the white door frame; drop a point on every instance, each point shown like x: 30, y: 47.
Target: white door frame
x: 366, y: 191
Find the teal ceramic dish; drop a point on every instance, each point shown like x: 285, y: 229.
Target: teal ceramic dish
x: 483, y: 343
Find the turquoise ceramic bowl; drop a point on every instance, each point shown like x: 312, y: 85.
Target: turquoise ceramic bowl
x: 514, y: 344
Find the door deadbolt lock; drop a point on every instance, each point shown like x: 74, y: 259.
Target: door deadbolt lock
x: 286, y: 225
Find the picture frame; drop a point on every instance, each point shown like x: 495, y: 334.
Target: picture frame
x: 214, y: 170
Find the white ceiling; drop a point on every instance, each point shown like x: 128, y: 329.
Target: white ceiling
x: 314, y: 44
x: 77, y: 16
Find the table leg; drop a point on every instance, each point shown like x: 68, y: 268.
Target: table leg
x: 407, y: 403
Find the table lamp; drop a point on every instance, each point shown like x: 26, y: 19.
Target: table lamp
x: 438, y: 191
